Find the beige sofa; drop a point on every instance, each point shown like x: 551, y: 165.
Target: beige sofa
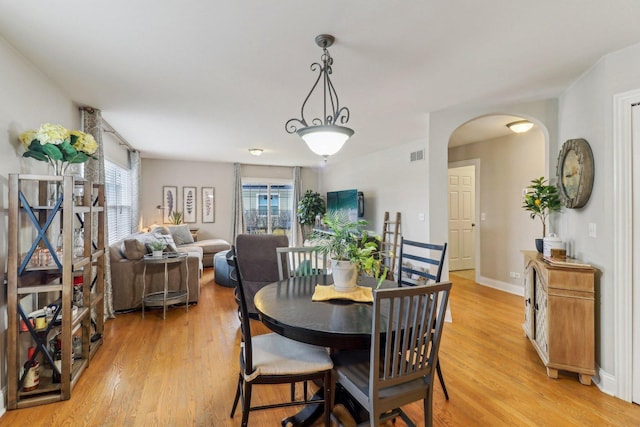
x: 209, y: 247
x: 127, y: 270
x: 182, y: 238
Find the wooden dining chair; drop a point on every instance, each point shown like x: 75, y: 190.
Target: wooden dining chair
x: 300, y: 261
x: 399, y: 368
x: 273, y: 359
x: 417, y: 260
x: 415, y: 264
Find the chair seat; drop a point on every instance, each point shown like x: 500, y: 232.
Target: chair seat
x: 274, y: 354
x: 352, y: 371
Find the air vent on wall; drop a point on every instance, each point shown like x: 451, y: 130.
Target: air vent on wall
x: 417, y: 155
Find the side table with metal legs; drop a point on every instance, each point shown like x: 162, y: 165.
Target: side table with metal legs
x: 165, y: 297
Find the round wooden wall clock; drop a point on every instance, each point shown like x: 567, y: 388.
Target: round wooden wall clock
x: 575, y: 173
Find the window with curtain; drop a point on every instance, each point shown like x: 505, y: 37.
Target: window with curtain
x: 118, y: 189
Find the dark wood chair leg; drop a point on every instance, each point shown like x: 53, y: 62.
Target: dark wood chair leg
x: 328, y: 398
x: 246, y: 404
x: 237, y: 398
x: 441, y: 378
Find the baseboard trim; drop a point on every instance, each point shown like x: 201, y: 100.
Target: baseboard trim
x: 605, y: 382
x: 501, y: 286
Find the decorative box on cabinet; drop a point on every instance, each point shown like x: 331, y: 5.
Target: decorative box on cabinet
x: 39, y: 274
x: 559, y: 315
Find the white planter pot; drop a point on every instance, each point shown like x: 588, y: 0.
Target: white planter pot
x: 157, y: 254
x: 344, y: 274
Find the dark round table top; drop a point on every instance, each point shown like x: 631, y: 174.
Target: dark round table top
x: 287, y: 309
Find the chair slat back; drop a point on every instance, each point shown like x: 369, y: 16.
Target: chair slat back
x: 406, y: 330
x: 300, y: 261
x: 417, y: 261
x: 246, y: 357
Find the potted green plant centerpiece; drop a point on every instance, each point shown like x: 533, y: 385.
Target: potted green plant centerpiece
x: 350, y: 249
x: 541, y: 199
x: 309, y: 207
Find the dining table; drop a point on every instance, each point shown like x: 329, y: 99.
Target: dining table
x: 286, y: 307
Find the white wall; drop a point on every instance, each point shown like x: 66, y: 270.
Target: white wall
x: 390, y: 182
x: 159, y: 173
x: 586, y: 111
x: 507, y: 165
x: 27, y: 99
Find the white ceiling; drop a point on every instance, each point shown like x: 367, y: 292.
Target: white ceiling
x: 209, y: 79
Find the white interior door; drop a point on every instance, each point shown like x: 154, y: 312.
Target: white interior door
x: 636, y: 254
x: 461, y: 218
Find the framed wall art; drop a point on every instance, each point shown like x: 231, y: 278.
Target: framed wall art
x: 169, y: 202
x: 189, y: 204
x: 208, y: 204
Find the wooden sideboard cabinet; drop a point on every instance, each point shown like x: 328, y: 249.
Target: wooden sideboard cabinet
x: 559, y: 315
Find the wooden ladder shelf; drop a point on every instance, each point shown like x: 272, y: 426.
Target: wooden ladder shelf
x: 389, y: 243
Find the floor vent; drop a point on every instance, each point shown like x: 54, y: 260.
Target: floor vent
x: 417, y: 155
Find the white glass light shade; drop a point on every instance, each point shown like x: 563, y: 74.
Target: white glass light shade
x: 325, y: 140
x: 520, y: 126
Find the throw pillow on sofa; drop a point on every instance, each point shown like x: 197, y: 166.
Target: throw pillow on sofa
x: 135, y: 247
x: 163, y: 235
x: 181, y: 234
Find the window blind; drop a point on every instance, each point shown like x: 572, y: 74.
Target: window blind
x: 118, y: 190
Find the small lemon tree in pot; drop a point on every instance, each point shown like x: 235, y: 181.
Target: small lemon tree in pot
x: 540, y: 200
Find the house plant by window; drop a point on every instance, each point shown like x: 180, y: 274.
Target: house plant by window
x: 350, y: 249
x: 540, y: 200
x: 309, y: 207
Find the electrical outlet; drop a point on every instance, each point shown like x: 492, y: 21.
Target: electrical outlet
x: 516, y: 275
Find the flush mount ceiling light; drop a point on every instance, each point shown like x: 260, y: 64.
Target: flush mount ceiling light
x: 324, y: 137
x: 520, y: 126
x: 256, y: 151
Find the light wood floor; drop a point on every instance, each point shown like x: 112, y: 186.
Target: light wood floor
x: 182, y: 372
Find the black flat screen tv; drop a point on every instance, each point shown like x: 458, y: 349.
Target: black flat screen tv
x: 351, y: 201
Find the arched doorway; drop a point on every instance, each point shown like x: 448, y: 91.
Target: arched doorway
x: 503, y: 165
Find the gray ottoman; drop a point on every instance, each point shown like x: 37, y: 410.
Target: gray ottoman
x: 221, y: 269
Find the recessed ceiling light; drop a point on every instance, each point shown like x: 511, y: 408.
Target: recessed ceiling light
x: 520, y: 126
x: 256, y: 151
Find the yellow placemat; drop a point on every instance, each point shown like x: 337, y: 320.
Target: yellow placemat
x: 326, y: 293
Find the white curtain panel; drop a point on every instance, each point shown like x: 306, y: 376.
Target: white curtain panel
x: 94, y: 171
x: 136, y: 172
x: 237, y: 214
x: 296, y: 228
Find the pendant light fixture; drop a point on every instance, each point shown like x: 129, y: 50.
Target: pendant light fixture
x: 324, y: 136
